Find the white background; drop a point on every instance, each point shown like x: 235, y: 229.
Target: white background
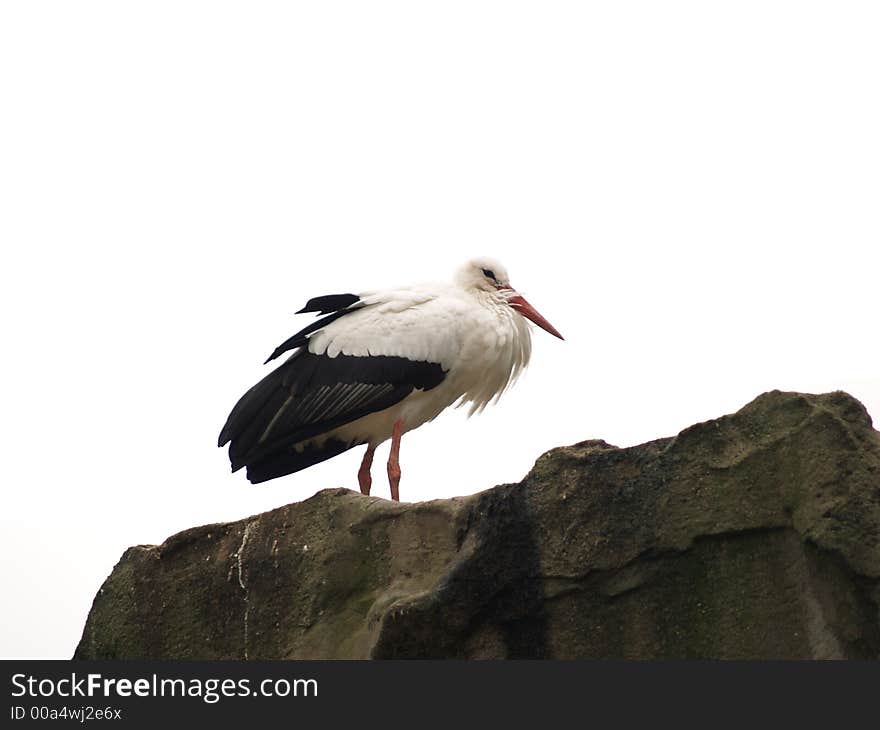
x: 688, y: 191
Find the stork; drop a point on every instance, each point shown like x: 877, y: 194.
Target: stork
x: 379, y: 364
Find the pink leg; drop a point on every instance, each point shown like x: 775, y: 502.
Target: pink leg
x: 394, y: 460
x: 364, y: 478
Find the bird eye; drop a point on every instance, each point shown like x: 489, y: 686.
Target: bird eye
x: 490, y: 274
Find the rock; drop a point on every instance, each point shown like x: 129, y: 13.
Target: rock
x: 756, y: 535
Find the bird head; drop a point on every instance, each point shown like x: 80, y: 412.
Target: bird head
x: 488, y: 275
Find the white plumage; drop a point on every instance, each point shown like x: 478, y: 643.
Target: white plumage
x: 383, y: 363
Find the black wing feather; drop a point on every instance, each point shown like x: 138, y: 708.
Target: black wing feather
x: 338, y: 304
x: 330, y: 303
x: 312, y: 394
x: 287, y: 462
x: 302, y: 337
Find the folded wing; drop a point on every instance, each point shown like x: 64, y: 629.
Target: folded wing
x: 312, y: 394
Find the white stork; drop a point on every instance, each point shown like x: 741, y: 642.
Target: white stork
x: 381, y: 364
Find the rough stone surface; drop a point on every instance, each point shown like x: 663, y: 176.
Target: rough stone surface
x: 756, y: 535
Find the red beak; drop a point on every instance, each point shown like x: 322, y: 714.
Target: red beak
x: 529, y: 312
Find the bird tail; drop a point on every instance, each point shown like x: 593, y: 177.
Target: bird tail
x: 287, y: 461
x: 260, y: 410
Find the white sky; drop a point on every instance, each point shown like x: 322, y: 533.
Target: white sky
x: 689, y: 191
